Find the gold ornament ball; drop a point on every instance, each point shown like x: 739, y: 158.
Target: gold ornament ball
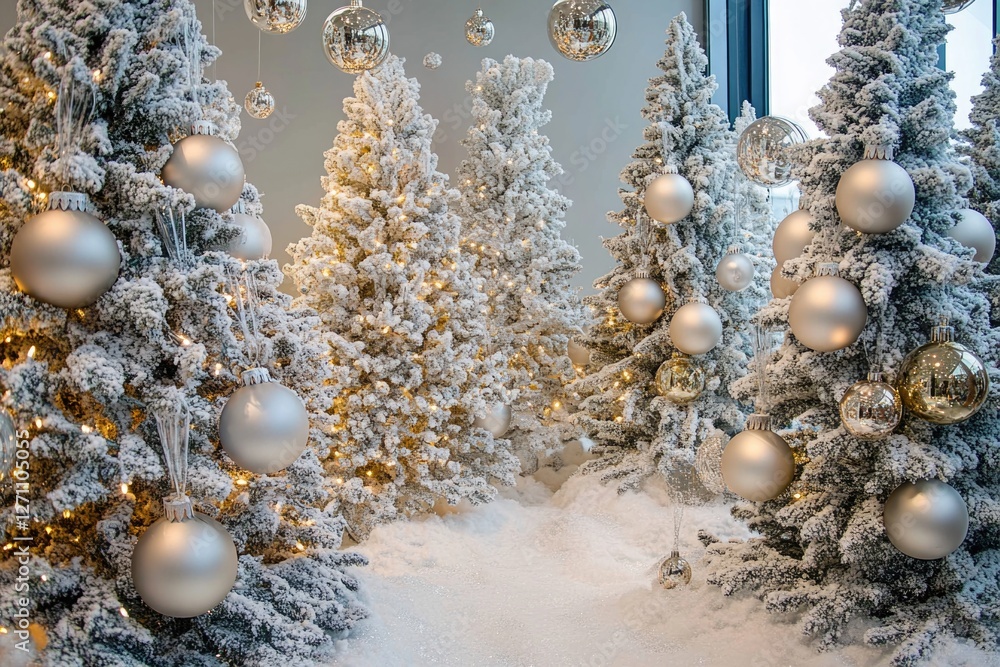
x: 975, y: 231
x: 355, y: 38
x: 641, y: 300
x: 695, y: 328
x: 827, y: 313
x: 582, y: 30
x: 680, y: 380
x: 578, y: 354
x: 782, y: 287
x: 875, y: 196
x: 205, y: 166
x: 479, y: 29
x: 943, y: 382
x: 259, y: 102
x: 496, y: 420
x: 926, y: 520
x: 871, y: 409
x: 792, y: 236
x: 674, y: 571
x: 758, y: 464
x: 669, y: 198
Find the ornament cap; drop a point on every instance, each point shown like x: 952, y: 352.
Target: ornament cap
x: 642, y: 273
x: 943, y: 332
x: 874, y: 376
x: 828, y: 269
x: 759, y: 422
x: 878, y: 152
x: 478, y: 12
x: 239, y: 207
x: 670, y: 169
x: 698, y: 298
x: 253, y: 376
x: 259, y: 84
x: 674, y: 553
x: 178, y: 507
x: 735, y: 249
x: 204, y: 127
x: 62, y: 200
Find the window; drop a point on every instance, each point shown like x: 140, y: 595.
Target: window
x: 970, y: 46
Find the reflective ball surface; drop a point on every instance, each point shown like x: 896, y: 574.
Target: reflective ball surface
x: 254, y: 239
x: 674, y: 571
x: 259, y: 103
x: 582, y: 29
x: 276, y: 16
x: 735, y: 271
x: 479, y: 30
x: 827, y: 313
x: 975, y: 231
x: 943, y: 382
x: 641, y: 300
x: 669, y: 198
x: 264, y: 427
x: 355, y: 39
x: 680, y: 380
x: 763, y: 150
x: 954, y: 6
x: 496, y: 421
x: 875, y: 196
x: 926, y: 520
x: 871, y: 409
x: 208, y: 168
x: 695, y: 328
x: 758, y: 465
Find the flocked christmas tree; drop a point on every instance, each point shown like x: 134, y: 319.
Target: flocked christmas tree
x: 639, y: 429
x: 402, y: 313
x: 87, y: 383
x: 512, y: 222
x: 831, y: 547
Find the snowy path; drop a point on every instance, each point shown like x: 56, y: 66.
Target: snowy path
x: 565, y: 579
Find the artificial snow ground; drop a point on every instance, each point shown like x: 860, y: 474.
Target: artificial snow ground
x: 566, y: 577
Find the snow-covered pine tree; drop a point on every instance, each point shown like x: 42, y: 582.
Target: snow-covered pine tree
x: 83, y: 384
x: 822, y: 549
x: 512, y: 222
x: 403, y: 315
x: 638, y: 432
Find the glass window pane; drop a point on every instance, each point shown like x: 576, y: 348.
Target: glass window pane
x: 968, y: 54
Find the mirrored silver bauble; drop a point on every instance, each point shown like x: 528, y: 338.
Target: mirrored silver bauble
x: 65, y: 257
x: 254, y: 240
x: 680, y: 380
x: 782, y: 287
x: 259, y: 103
x: 578, y: 354
x: 496, y: 420
x: 276, y: 16
x: 674, y: 571
x: 695, y: 328
x: 479, y: 30
x: 876, y: 195
x: 641, y: 300
x: 975, y: 231
x: 206, y: 167
x: 582, y: 30
x: 708, y: 462
x: 763, y: 151
x: 954, y: 6
x: 184, y: 568
x: 926, y: 520
x: 827, y: 313
x: 792, y: 236
x: 871, y: 409
x: 355, y: 38
x: 735, y: 270
x: 669, y: 198
x: 758, y: 464
x: 264, y: 426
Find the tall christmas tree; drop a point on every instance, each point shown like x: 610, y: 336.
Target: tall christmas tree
x: 512, y: 223
x: 832, y: 547
x: 402, y: 313
x: 639, y: 429
x: 91, y: 93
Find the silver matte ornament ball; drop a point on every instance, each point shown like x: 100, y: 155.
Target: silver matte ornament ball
x: 184, y: 568
x: 264, y: 426
x: 355, y: 38
x: 674, y: 571
x: 582, y: 30
x: 205, y: 166
x: 975, y: 231
x: 259, y: 103
x: 782, y: 287
x: 827, y: 313
x: 735, y: 270
x: 578, y: 354
x: 65, y: 257
x: 695, y: 328
x: 871, y: 409
x: 876, y: 195
x: 276, y: 16
x: 926, y: 520
x: 641, y: 300
x: 496, y: 420
x: 669, y: 197
x: 479, y: 30
x: 763, y: 151
x: 792, y: 236
x: 758, y: 464
x: 253, y: 241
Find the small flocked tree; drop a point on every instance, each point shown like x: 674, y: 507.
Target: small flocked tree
x: 402, y: 313
x: 84, y: 384
x: 822, y: 549
x: 638, y: 432
x: 512, y: 222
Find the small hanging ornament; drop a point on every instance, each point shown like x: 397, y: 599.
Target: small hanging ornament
x: 942, y: 381
x: 496, y: 420
x: 782, y: 287
x: 578, y: 354
x: 582, y: 30
x: 927, y: 519
x: 975, y: 231
x: 259, y: 103
x: 185, y: 564
x: 792, y: 236
x: 876, y: 195
x: 735, y: 271
x: 479, y: 30
x: 708, y: 462
x: 65, y: 256
x: 254, y: 240
x: 827, y: 313
x: 680, y: 380
x: 276, y: 16
x: 641, y: 300
x: 206, y: 167
x: 355, y: 38
x: 695, y: 328
x: 674, y: 571
x: 871, y: 409
x: 763, y: 152
x: 669, y: 198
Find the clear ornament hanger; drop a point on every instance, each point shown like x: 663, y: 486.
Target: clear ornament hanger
x: 762, y: 340
x: 246, y: 302
x: 173, y: 424
x: 75, y: 107
x: 171, y: 223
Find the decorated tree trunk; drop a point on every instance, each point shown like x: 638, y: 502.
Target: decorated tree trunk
x: 90, y: 365
x: 402, y: 314
x: 872, y: 528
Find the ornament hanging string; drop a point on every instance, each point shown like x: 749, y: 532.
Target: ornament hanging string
x: 188, y: 41
x: 172, y: 225
x: 74, y: 110
x: 644, y: 232
x: 172, y: 425
x: 875, y: 350
x: 259, y: 33
x: 678, y: 516
x: 761, y: 340
x: 246, y: 301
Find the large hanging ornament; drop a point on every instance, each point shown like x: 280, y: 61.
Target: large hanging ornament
x: 641, y: 300
x: 871, y: 409
x: 582, y: 29
x: 578, y: 354
x: 680, y: 380
x: 496, y: 420
x: 205, y: 166
x: 669, y: 198
x: 782, y: 287
x: 479, y: 30
x: 792, y: 236
x: 259, y: 103
x: 827, y: 313
x: 355, y: 38
x: 65, y: 256
x: 763, y: 150
x: 876, y: 195
x: 276, y: 16
x: 942, y: 381
x: 975, y: 231
x: 926, y: 520
x: 695, y: 328
x: 254, y: 240
x: 758, y: 464
x: 264, y: 427
x: 708, y: 462
x: 954, y: 6
x: 735, y: 271
x: 674, y: 571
